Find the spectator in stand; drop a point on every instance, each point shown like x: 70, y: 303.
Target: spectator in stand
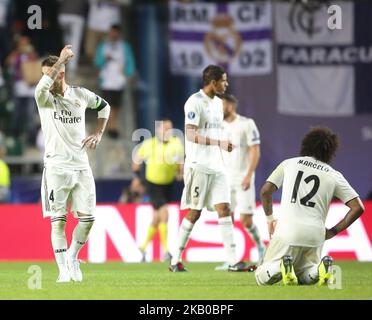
x: 22, y: 63
x: 114, y: 58
x: 4, y: 173
x: 46, y: 40
x: 101, y: 16
x: 71, y: 19
x: 4, y: 28
x: 2, y: 82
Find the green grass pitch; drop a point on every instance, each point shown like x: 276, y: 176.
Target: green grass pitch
x: 152, y: 281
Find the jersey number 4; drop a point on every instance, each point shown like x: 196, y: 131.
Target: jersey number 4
x: 51, y: 196
x: 305, y: 201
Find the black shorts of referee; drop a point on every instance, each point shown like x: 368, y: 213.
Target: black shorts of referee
x: 159, y: 194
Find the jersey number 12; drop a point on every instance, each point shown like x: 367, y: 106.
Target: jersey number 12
x: 305, y: 200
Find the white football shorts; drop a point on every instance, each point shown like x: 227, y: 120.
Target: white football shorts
x: 304, y: 258
x: 243, y: 201
x: 63, y: 187
x: 203, y: 190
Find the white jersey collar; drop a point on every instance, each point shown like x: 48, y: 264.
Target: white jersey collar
x: 205, y: 95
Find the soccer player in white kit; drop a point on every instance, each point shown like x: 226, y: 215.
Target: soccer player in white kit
x: 308, y: 184
x: 205, y: 180
x: 241, y: 164
x: 67, y: 177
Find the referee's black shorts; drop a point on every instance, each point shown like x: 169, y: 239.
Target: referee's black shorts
x: 160, y: 194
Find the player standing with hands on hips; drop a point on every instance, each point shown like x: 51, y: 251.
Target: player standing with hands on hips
x: 205, y: 180
x: 67, y: 175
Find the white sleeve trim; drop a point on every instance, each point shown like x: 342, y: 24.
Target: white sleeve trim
x: 105, y: 112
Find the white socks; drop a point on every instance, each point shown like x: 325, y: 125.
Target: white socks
x: 80, y: 235
x: 268, y: 273
x: 183, y: 238
x: 255, y: 235
x: 59, y: 242
x: 227, y: 233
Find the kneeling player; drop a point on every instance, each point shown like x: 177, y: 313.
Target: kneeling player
x: 309, y: 185
x: 67, y: 176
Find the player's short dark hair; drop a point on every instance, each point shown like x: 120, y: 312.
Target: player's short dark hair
x: 49, y: 61
x: 320, y: 143
x: 230, y: 98
x: 212, y: 72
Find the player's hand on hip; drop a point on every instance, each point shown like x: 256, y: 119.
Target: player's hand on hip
x: 226, y: 145
x: 271, y: 227
x: 92, y: 141
x: 329, y: 234
x: 66, y: 54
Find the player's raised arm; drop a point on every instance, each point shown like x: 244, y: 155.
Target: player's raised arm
x: 64, y: 57
x: 50, y: 74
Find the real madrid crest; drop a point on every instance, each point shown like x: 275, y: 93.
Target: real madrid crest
x: 222, y: 43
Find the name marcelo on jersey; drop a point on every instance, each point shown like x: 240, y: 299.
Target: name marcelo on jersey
x: 313, y: 165
x: 66, y: 117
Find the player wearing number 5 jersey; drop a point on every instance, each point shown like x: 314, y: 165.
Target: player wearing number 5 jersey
x: 308, y: 184
x: 67, y: 177
x: 205, y: 180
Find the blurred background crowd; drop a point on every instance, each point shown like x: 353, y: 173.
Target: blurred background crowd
x: 103, y: 38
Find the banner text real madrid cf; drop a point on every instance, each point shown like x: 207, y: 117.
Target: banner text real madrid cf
x: 120, y: 229
x: 235, y: 35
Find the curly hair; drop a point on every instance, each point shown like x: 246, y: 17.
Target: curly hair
x: 320, y: 143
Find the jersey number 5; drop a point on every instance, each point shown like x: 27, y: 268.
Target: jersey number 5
x: 305, y: 200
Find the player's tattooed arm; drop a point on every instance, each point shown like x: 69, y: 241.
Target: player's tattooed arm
x: 266, y: 194
x: 64, y: 57
x: 94, y: 139
x: 356, y: 210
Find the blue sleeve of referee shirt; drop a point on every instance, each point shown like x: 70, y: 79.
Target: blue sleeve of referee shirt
x: 99, y: 60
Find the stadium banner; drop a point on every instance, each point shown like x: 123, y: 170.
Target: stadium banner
x: 120, y: 229
x: 235, y: 35
x: 323, y: 72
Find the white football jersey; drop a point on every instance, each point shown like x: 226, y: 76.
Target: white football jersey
x: 309, y: 186
x: 63, y: 123
x: 243, y: 133
x: 207, y: 115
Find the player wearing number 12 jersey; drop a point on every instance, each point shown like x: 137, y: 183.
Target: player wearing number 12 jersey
x: 67, y: 177
x: 308, y: 184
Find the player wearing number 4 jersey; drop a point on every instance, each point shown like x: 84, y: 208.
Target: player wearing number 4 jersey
x: 308, y: 184
x: 67, y: 177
